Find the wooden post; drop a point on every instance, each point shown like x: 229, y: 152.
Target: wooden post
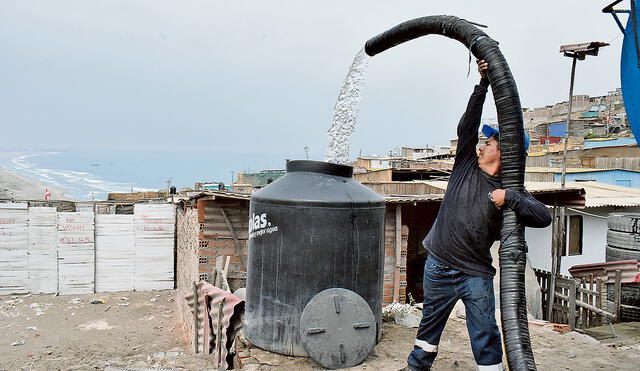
x: 217, y: 282
x: 592, y: 300
x: 599, y: 299
x: 195, y: 318
x: 396, y: 271
x: 617, y: 294
x: 557, y: 245
x: 571, y: 314
x: 585, y: 299
x: 218, y: 355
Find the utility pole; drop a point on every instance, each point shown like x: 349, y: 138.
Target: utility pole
x: 575, y: 52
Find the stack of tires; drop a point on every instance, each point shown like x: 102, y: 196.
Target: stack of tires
x: 623, y: 236
x: 623, y: 243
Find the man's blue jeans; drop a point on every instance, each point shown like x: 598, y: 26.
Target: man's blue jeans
x: 443, y: 286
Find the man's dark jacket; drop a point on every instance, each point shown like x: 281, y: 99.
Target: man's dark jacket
x: 468, y: 222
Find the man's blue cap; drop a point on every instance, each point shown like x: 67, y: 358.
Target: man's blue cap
x: 488, y: 131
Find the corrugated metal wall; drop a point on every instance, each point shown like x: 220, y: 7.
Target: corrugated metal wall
x: 617, y: 163
x: 403, y: 188
x: 538, y: 177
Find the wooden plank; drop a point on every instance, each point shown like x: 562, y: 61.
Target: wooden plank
x: 217, y: 281
x: 592, y: 300
x: 233, y: 231
x: 617, y: 293
x: 224, y: 273
x: 396, y: 271
x: 560, y: 308
x: 572, y: 304
x: 581, y: 297
x: 554, y: 257
x: 594, y: 309
x: 587, y: 291
x: 599, y: 300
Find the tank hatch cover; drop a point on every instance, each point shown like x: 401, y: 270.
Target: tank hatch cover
x: 337, y: 328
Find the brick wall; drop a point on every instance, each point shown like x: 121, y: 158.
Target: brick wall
x: 215, y: 238
x: 187, y: 268
x: 390, y: 258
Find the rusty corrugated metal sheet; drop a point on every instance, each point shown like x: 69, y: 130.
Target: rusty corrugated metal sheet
x: 607, y: 270
x: 209, y: 299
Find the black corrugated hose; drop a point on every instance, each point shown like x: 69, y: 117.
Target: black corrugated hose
x: 512, y: 253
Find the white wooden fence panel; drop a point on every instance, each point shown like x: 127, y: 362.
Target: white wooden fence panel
x: 14, y: 205
x: 154, y: 243
x: 43, y: 250
x: 14, y: 263
x: 14, y: 274
x: 115, y: 243
x: 76, y: 252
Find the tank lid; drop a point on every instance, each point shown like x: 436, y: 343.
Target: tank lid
x: 320, y: 167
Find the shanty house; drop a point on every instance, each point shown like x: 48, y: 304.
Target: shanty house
x: 586, y: 228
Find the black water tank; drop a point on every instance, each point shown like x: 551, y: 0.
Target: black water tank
x: 313, y: 229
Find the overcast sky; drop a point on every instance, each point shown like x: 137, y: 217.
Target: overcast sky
x: 263, y: 76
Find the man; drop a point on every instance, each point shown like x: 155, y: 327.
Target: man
x: 468, y: 222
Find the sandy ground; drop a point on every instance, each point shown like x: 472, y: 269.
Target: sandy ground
x: 61, y: 333
x: 17, y: 187
x: 552, y: 351
x: 141, y: 331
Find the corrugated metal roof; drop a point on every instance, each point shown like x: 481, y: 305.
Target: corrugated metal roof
x: 609, y: 142
x: 614, y: 201
x: 571, y: 196
x: 407, y: 199
x: 596, y: 194
x: 211, y: 195
x: 557, y: 170
x: 530, y: 186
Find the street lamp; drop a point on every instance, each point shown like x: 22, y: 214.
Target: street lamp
x: 575, y: 52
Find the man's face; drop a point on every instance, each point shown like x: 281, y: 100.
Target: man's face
x: 489, y: 152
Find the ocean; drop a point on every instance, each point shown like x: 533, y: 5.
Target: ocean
x: 86, y: 174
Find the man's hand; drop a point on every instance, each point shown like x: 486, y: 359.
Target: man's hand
x: 497, y: 196
x: 483, y: 66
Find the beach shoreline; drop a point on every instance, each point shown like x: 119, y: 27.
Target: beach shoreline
x: 18, y: 187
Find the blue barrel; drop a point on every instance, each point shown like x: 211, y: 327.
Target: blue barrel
x: 630, y: 73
